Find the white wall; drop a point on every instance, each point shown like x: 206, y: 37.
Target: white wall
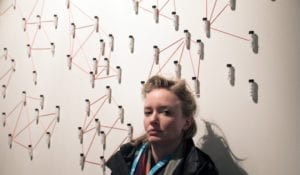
x: 264, y: 135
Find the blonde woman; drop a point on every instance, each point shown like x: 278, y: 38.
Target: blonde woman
x: 167, y: 147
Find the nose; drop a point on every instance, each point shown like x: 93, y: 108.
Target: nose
x: 154, y: 118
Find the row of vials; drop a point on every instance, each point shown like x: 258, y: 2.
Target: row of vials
x: 102, y: 133
x: 102, y: 140
x: 39, y: 22
x: 175, y: 19
x: 29, y: 147
x: 93, y: 74
x: 83, y: 160
x: 51, y: 48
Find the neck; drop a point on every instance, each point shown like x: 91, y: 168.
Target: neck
x: 160, y: 150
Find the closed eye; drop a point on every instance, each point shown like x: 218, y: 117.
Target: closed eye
x: 166, y: 112
x: 147, y: 112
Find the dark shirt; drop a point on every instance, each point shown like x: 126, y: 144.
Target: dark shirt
x: 195, y: 162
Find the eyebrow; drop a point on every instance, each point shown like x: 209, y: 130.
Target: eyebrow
x: 160, y: 107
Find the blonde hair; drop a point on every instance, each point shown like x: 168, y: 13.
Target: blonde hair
x: 179, y: 88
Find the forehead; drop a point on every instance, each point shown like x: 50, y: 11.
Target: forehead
x: 161, y: 97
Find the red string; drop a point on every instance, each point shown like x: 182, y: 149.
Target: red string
x: 206, y: 9
x: 171, y: 45
x: 28, y: 18
x: 181, y: 53
x: 18, y: 120
x: 213, y: 10
x: 2, y: 13
x: 170, y: 57
x: 29, y: 129
x: 112, y: 126
x: 151, y: 68
x: 91, y: 143
x: 163, y: 5
x: 218, y: 14
x: 95, y: 114
x: 98, y: 100
x: 44, y: 133
x: 114, y: 100
x: 14, y: 109
x: 82, y: 11
x: 106, y: 77
x: 26, y: 126
x: 22, y: 145
x: 95, y: 163
x: 5, y: 73
x: 83, y: 27
x: 120, y: 144
x: 190, y: 56
x: 80, y: 68
x: 73, y: 56
x: 34, y: 37
x: 230, y: 34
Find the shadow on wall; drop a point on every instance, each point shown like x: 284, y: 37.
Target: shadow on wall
x: 218, y: 149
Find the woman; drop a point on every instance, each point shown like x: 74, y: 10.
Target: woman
x: 167, y: 147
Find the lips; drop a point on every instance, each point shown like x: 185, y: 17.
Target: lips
x: 153, y: 132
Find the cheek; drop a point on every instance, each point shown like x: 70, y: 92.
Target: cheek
x: 174, y: 125
x: 145, y: 123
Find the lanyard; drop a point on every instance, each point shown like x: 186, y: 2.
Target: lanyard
x: 155, y: 168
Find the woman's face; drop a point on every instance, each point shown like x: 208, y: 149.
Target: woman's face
x: 164, y: 121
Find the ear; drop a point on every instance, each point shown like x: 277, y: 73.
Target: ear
x: 188, y: 123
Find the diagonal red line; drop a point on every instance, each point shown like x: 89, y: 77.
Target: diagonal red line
x: 206, y: 4
x: 115, y: 101
x: 43, y: 5
x: 14, y: 109
x: 181, y: 53
x: 171, y: 45
x: 164, y: 5
x: 18, y: 120
x: 151, y: 68
x: 112, y: 126
x: 213, y: 10
x: 5, y: 73
x: 73, y: 56
x: 190, y: 56
x: 174, y: 4
x: 120, y: 144
x: 26, y: 126
x: 34, y: 37
x: 29, y: 129
x: 82, y: 11
x: 230, y: 34
x: 90, y: 145
x: 95, y: 114
x: 22, y: 145
x: 170, y: 57
x: 28, y: 18
x: 80, y: 68
x: 2, y: 13
x: 46, y: 35
x: 218, y: 14
x: 98, y: 100
x: 53, y: 120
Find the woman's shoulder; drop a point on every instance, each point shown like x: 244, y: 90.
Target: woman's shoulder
x: 198, y: 161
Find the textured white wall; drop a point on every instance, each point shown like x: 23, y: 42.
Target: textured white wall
x: 265, y: 136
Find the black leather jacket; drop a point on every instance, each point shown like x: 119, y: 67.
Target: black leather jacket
x: 195, y: 161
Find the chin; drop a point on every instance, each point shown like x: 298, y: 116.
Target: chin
x: 152, y: 139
